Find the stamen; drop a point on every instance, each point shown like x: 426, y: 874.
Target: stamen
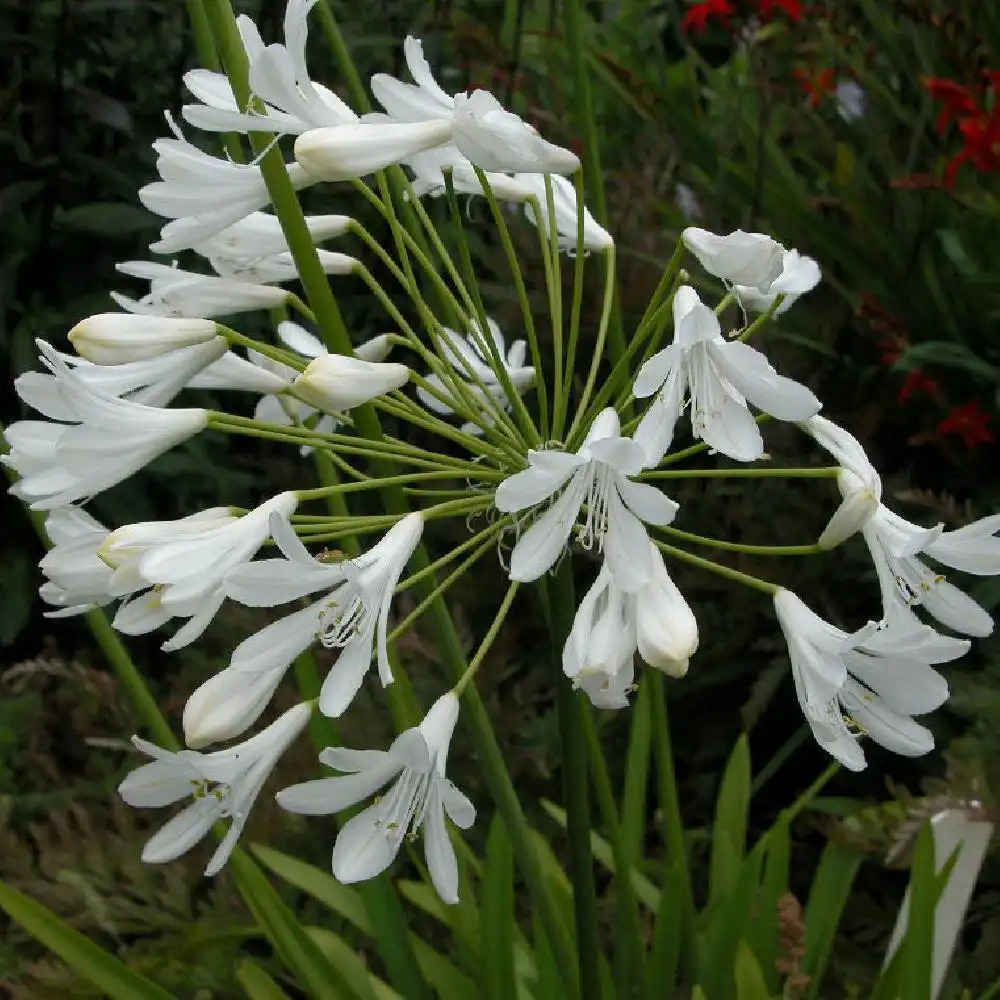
x: 342, y: 619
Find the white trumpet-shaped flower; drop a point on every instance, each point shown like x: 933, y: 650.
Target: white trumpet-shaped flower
x: 118, y: 338
x: 750, y: 259
x: 185, y: 564
x: 153, y: 381
x: 859, y: 482
x: 871, y: 682
x: 259, y: 237
x: 720, y: 376
x: 598, y: 475
x: 224, y: 784
x: 76, y: 576
x: 799, y: 275
x: 565, y: 206
x: 278, y: 77
x: 173, y: 292
x: 204, y: 194
x: 598, y: 656
x: 907, y: 581
x: 471, y: 359
x: 420, y: 796
x: 92, y: 442
x: 353, y: 617
x: 335, y: 382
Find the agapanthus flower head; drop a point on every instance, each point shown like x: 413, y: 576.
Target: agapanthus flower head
x: 720, y: 376
x: 419, y: 798
x: 598, y: 475
x: 225, y: 784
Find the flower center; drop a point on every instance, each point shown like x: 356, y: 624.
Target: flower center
x: 602, y: 482
x: 343, y: 618
x: 405, y: 805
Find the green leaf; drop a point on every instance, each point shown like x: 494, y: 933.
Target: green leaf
x: 763, y: 932
x: 730, y: 831
x: 661, y: 968
x: 257, y: 983
x: 750, y: 983
x: 348, y: 960
x: 497, y: 981
x: 297, y: 950
x: 830, y: 888
x: 317, y: 883
x: 106, y: 218
x: 19, y: 593
x: 918, y: 948
x: 948, y: 355
x: 633, y: 808
x: 92, y: 962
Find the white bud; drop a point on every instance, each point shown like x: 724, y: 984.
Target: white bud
x: 665, y: 624
x: 333, y: 382
x: 742, y: 258
x: 118, y: 338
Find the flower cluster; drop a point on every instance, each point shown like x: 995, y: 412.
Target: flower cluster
x: 699, y: 14
x: 975, y: 113
x: 551, y: 477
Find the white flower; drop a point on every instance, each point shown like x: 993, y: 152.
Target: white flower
x: 204, y: 194
x: 225, y: 784
x: 185, y: 562
x: 173, y: 292
x: 741, y: 258
x: 152, y: 382
x: 877, y: 679
x: 666, y: 629
x: 234, y: 372
x: 278, y: 76
x: 858, y: 480
x: 429, y: 166
x: 352, y: 617
x: 798, y: 275
x: 281, y: 266
x: 973, y: 549
x: 420, y: 796
x: 599, y: 650
x: 907, y: 581
x: 720, y: 376
x: 351, y: 151
x: 598, y: 475
x: 687, y: 201
x: 408, y: 102
x: 118, y: 338
x: 852, y: 100
x: 259, y: 236
x: 495, y: 139
x: 76, y: 577
x: 564, y: 202
x: 468, y: 356
x: 335, y: 382
x: 102, y: 441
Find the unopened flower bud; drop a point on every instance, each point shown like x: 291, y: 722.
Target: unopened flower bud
x: 119, y: 338
x: 334, y: 382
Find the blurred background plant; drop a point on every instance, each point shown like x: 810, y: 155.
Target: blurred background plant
x: 866, y: 133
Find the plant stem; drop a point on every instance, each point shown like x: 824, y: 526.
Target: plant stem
x: 713, y: 567
x: 569, y: 708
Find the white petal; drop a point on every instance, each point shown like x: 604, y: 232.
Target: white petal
x: 182, y: 832
x: 440, y: 855
x: 344, y: 679
x: 547, y: 472
x: 626, y: 546
x: 364, y: 849
x: 539, y: 547
x: 331, y: 795
x: 647, y: 502
x: 749, y: 371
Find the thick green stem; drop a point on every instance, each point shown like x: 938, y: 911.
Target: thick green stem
x: 570, y: 707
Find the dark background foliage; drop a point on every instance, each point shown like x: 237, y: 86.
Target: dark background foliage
x: 910, y: 274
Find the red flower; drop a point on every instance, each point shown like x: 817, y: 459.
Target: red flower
x: 917, y: 382
x: 978, y: 126
x: 817, y: 84
x: 891, y: 351
x: 970, y: 422
x: 696, y: 17
x: 958, y: 100
x: 793, y: 8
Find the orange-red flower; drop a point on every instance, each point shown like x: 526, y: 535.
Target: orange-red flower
x: 793, y: 8
x: 917, y: 382
x: 970, y: 422
x: 697, y: 16
x: 978, y: 125
x: 816, y: 83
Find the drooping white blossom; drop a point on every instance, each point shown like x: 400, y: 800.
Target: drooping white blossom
x: 720, y: 377
x: 565, y: 206
x: 741, y: 258
x: 92, y: 442
x: 204, y: 194
x: 666, y: 629
x: 871, y: 682
x: 799, y: 274
x: 420, y: 797
x: 598, y: 475
x: 225, y: 784
x: 469, y: 358
x: 177, y: 568
x: 352, y: 617
x: 118, y: 338
x: 76, y: 577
